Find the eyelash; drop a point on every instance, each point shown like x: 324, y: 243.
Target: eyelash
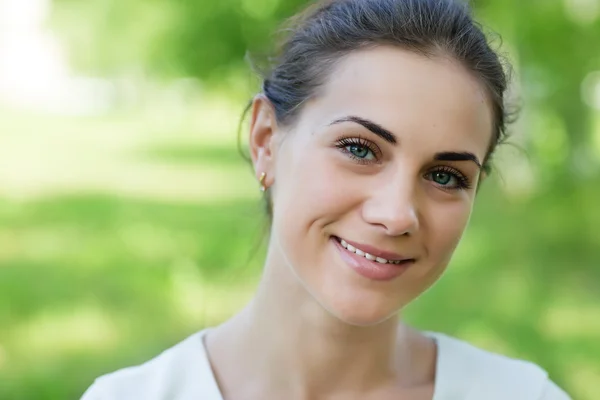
x: 463, y: 182
x: 344, y: 142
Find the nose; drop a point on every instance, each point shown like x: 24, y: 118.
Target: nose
x: 393, y: 207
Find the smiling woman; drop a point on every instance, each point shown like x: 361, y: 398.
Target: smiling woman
x: 370, y: 139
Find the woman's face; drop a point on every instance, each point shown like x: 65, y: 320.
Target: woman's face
x: 373, y: 185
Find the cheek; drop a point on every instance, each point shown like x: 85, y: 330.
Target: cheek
x: 312, y: 192
x: 313, y: 189
x: 447, y: 225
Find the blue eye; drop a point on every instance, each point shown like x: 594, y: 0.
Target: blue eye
x: 360, y: 151
x: 442, y: 178
x: 448, y: 178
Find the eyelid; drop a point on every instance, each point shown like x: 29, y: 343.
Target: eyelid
x: 348, y: 140
x: 464, y: 182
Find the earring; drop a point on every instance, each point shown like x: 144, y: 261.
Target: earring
x: 261, y: 180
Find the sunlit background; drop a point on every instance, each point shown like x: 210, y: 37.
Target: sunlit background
x: 128, y: 220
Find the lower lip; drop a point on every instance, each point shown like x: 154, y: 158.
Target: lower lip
x: 371, y: 269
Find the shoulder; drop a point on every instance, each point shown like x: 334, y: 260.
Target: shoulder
x: 468, y: 371
x: 167, y: 376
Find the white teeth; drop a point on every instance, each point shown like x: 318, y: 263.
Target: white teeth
x: 368, y: 256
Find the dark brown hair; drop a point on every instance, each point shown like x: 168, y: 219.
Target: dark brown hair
x: 328, y: 30
x: 316, y: 39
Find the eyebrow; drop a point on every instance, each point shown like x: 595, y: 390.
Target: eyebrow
x: 370, y: 125
x: 457, y: 156
x: 391, y: 138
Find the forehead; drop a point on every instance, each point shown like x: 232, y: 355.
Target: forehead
x: 409, y: 93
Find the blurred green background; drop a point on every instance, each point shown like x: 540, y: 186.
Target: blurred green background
x: 128, y: 220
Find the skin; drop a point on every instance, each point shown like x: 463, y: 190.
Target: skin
x: 316, y: 329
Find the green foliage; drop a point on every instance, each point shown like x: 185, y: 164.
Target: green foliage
x: 165, y: 37
x: 90, y: 282
x: 549, y: 43
x: 93, y: 282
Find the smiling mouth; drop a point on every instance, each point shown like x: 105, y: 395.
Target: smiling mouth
x: 354, y: 250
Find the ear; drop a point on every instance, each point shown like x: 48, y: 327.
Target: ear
x: 263, y: 127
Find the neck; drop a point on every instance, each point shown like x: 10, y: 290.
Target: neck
x: 304, y: 340
x: 294, y: 346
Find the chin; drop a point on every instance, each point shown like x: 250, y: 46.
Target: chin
x: 365, y: 313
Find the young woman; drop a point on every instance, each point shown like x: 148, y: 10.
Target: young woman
x: 370, y: 138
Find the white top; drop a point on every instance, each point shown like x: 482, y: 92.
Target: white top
x: 463, y: 372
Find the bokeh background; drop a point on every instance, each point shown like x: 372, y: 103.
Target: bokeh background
x: 128, y: 220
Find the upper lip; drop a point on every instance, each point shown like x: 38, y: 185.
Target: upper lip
x: 374, y: 251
